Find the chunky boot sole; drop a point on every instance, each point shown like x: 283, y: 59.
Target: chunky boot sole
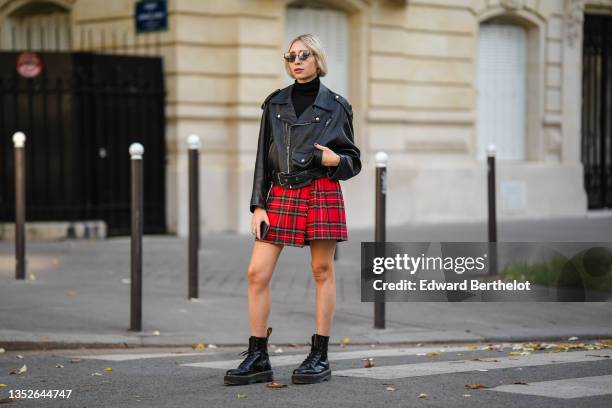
x: 262, y: 376
x: 311, y: 378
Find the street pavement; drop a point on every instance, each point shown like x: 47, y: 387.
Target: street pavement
x: 571, y: 373
x: 77, y: 294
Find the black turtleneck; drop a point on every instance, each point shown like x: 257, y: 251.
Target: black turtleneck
x: 303, y: 95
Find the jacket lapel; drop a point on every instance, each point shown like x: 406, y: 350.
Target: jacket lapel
x: 285, y: 106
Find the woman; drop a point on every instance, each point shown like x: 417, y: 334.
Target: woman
x: 305, y: 147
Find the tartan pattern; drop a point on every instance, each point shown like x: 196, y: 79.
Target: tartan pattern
x: 299, y: 215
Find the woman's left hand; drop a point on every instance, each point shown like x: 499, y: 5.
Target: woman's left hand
x: 329, y: 157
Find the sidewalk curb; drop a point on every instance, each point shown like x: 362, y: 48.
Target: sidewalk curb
x: 16, y: 345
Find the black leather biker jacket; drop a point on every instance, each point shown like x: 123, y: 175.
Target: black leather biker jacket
x: 286, y: 143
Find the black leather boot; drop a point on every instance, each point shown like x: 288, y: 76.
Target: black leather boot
x: 315, y: 368
x: 256, y: 365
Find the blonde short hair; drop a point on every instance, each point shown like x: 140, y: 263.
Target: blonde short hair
x: 313, y: 43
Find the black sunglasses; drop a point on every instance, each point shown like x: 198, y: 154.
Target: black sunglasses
x: 302, y: 55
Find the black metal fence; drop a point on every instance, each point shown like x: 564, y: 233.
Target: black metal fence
x: 80, y: 116
x: 597, y: 110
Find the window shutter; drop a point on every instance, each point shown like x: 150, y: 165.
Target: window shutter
x: 38, y: 32
x: 501, y: 90
x: 331, y: 26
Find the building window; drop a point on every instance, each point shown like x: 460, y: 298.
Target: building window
x: 331, y: 26
x: 502, y: 61
x: 37, y: 27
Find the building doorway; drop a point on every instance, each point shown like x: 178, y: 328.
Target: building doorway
x: 596, y: 146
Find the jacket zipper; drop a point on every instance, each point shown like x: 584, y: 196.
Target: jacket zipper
x: 288, y: 142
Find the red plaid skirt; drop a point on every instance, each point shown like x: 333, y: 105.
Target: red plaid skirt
x: 299, y: 215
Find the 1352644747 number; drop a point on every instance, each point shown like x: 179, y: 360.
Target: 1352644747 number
x: 36, y: 394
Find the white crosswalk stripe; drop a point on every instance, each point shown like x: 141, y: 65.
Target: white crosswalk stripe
x: 138, y: 356
x: 334, y: 356
x: 447, y: 367
x: 568, y: 388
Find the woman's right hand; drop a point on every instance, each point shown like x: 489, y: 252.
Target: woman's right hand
x: 259, y: 215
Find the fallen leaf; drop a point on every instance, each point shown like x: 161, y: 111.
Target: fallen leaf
x: 108, y: 369
x: 472, y: 347
x: 573, y: 338
x: 274, y: 384
x: 475, y: 386
x: 346, y: 340
x: 368, y: 362
x: 486, y: 360
x: 156, y: 332
x: 422, y: 395
x: 3, y: 385
x: 212, y: 346
x: 239, y: 396
x: 32, y: 277
x: 96, y: 374
x: 390, y: 388
x: 433, y: 354
x: 59, y: 366
x: 19, y: 356
x: 200, y: 346
x: 21, y: 370
x: 278, y: 350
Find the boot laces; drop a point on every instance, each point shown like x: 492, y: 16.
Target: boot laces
x: 312, y: 357
x: 250, y: 357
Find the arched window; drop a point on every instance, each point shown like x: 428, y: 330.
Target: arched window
x: 37, y: 26
x: 331, y: 26
x: 502, y: 90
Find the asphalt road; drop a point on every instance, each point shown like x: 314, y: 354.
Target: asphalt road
x: 555, y: 374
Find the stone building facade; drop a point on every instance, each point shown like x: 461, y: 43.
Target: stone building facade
x: 432, y: 83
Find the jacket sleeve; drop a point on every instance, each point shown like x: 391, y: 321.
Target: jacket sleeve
x: 344, y: 146
x: 261, y: 177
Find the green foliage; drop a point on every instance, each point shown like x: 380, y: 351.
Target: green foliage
x: 593, y: 272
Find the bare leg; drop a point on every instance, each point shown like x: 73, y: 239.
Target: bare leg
x: 322, y: 264
x: 262, y: 264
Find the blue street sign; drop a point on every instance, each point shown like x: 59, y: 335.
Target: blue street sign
x: 151, y: 15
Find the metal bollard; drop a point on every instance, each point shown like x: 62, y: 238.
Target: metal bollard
x: 492, y: 209
x: 194, y: 215
x: 136, y: 152
x: 20, y: 204
x: 380, y: 226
